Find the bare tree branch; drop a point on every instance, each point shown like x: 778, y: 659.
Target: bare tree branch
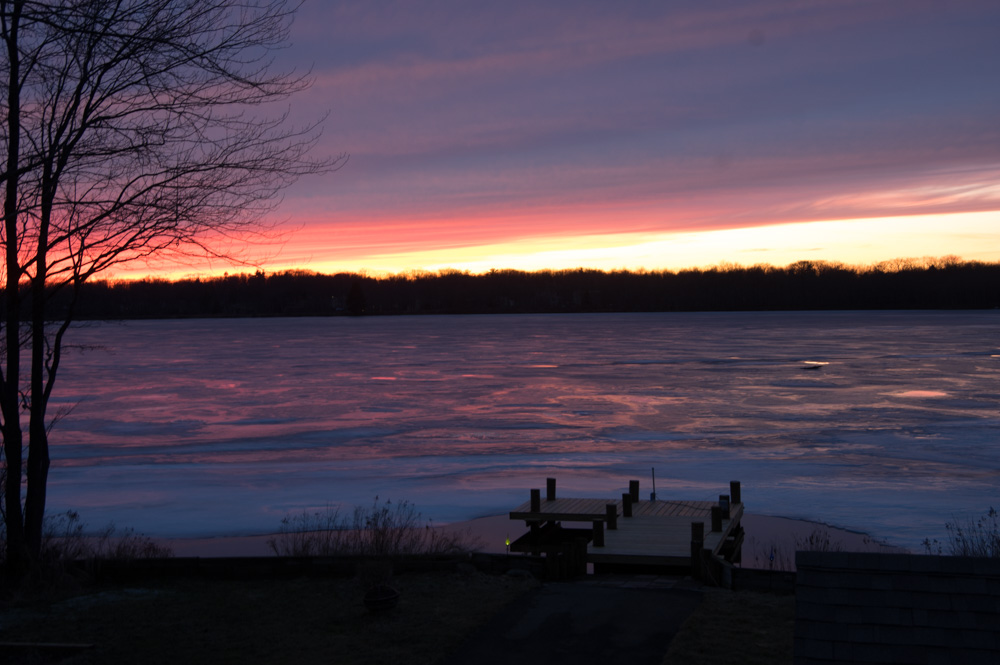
x: 133, y: 129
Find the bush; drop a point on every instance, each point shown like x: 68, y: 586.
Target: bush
x: 65, y: 543
x: 64, y: 539
x: 384, y: 530
x: 979, y: 537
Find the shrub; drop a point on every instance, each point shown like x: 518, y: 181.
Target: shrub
x: 385, y: 529
x: 64, y: 539
x: 781, y: 557
x: 65, y: 542
x: 979, y: 537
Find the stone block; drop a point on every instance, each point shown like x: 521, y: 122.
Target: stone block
x: 929, y: 601
x: 815, y: 649
x: 896, y: 635
x: 861, y: 633
x: 989, y: 568
x: 976, y: 639
x: 983, y: 604
x: 946, y: 619
x: 894, y: 562
x: 812, y: 611
x: 874, y: 653
x: 926, y: 564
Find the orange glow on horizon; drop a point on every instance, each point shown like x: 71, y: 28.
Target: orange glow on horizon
x: 972, y: 236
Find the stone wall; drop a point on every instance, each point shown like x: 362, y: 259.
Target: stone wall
x: 896, y: 608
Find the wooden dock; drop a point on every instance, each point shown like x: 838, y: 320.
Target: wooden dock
x: 631, y: 534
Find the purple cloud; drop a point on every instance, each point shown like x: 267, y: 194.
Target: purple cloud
x: 471, y: 120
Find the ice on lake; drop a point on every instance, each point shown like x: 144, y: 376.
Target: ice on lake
x: 879, y: 421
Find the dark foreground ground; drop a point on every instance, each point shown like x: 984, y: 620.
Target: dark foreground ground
x: 593, y: 622
x: 441, y: 618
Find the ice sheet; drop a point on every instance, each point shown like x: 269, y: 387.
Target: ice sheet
x: 879, y: 421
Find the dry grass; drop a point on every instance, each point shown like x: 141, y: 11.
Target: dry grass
x: 386, y: 529
x: 265, y: 621
x: 736, y: 627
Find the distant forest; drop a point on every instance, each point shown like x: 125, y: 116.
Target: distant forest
x: 946, y: 283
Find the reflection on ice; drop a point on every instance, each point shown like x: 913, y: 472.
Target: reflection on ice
x: 221, y: 427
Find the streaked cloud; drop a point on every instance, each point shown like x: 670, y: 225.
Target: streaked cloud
x: 475, y: 125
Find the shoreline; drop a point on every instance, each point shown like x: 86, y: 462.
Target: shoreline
x: 766, y: 535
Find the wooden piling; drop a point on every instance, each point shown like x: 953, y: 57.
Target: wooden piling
x: 698, y: 532
x: 633, y: 490
x: 697, y: 544
x: 611, y: 515
x: 550, y: 489
x: 598, y: 533
x: 724, y: 504
x: 626, y: 505
x: 734, y: 491
x: 716, y: 518
x: 536, y: 501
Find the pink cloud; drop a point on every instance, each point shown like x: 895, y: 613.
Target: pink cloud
x: 470, y: 123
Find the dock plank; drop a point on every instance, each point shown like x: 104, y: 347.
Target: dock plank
x: 660, y: 536
x: 658, y: 533
x: 563, y: 510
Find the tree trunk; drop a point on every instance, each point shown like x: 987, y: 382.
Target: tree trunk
x: 10, y: 403
x: 122, y: 142
x: 38, y: 444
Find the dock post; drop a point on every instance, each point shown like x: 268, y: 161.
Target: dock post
x: 716, y: 518
x: 697, y: 544
x: 724, y: 504
x: 734, y: 491
x: 611, y: 515
x: 633, y: 490
x: 626, y: 505
x: 550, y: 489
x: 598, y: 533
x: 536, y: 501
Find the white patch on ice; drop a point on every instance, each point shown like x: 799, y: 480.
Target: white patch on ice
x: 920, y: 393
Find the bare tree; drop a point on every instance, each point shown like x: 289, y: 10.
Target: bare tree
x: 133, y: 129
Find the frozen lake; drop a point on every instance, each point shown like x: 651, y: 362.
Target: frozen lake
x: 886, y: 422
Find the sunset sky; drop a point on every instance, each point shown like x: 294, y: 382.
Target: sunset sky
x: 534, y: 134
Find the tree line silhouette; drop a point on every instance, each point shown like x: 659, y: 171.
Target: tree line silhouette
x: 806, y: 285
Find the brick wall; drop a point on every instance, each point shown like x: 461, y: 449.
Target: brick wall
x: 896, y: 608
